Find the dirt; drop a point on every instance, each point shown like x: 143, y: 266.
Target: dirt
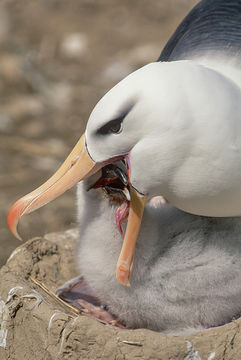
x: 57, y: 59
x: 36, y: 325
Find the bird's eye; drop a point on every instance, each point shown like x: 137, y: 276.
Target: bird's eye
x: 112, y: 127
x: 116, y: 127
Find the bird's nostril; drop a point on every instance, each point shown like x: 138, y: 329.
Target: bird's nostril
x: 74, y: 161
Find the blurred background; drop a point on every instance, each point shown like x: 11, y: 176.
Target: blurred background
x: 57, y: 59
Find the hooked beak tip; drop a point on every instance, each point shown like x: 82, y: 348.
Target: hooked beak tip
x: 76, y: 167
x: 14, y: 214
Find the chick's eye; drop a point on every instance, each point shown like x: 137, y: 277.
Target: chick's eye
x: 112, y: 127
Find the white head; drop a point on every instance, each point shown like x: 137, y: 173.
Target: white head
x: 157, y: 114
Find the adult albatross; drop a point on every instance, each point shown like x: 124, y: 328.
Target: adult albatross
x: 177, y: 124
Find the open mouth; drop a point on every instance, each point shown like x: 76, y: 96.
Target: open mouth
x: 115, y: 183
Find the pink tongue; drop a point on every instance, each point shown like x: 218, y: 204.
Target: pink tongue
x: 121, y: 215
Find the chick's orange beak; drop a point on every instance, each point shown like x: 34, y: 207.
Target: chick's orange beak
x: 76, y: 167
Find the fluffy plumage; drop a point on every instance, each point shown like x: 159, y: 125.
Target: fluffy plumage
x: 187, y: 269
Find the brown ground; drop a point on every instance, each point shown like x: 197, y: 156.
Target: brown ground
x: 48, y: 89
x: 35, y: 325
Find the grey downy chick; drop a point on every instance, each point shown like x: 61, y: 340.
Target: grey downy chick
x: 187, y: 269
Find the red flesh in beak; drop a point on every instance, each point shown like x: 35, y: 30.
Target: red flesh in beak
x: 121, y: 215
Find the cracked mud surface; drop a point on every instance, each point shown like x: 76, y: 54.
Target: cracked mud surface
x: 34, y: 324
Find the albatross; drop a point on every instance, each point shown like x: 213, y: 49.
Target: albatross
x: 176, y: 122
x: 187, y: 270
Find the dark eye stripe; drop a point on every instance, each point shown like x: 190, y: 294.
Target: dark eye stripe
x: 115, y: 126
x: 112, y: 127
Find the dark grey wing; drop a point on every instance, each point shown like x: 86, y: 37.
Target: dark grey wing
x: 211, y: 26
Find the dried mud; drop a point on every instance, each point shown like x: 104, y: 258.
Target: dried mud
x: 34, y: 325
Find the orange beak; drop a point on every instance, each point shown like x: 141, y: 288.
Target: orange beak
x: 125, y: 261
x: 78, y: 166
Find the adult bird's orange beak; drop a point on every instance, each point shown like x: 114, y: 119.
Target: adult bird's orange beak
x: 76, y: 167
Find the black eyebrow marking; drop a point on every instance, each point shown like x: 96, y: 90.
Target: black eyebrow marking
x: 106, y: 129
